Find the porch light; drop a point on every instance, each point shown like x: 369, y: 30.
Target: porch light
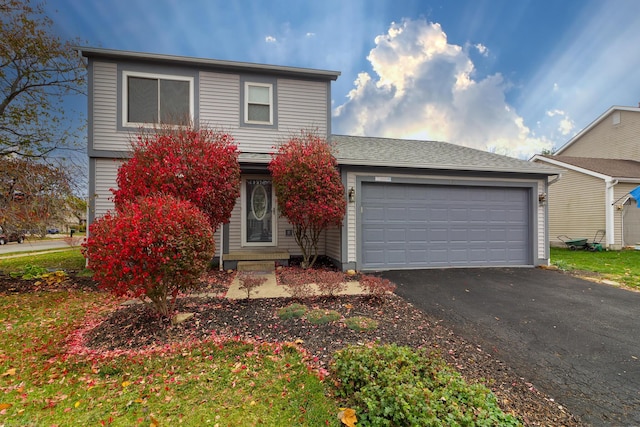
x: 352, y: 195
x: 542, y: 198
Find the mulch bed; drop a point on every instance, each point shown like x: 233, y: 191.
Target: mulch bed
x: 134, y: 326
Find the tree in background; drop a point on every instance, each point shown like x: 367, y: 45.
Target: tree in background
x: 37, y: 70
x: 309, y: 190
x: 33, y: 194
x: 151, y: 249
x: 196, y: 165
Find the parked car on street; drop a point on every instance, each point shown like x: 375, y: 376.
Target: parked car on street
x: 53, y: 230
x: 10, y: 237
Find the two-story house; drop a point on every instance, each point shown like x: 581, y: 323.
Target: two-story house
x: 410, y: 204
x: 601, y: 164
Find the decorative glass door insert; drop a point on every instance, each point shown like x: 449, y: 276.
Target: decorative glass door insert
x: 259, y: 212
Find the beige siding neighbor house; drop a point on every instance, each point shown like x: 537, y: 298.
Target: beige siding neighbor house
x: 601, y: 166
x: 410, y: 204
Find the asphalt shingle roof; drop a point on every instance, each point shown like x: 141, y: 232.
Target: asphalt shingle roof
x: 618, y: 168
x: 371, y: 151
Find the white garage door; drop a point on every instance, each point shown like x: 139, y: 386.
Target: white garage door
x: 415, y: 226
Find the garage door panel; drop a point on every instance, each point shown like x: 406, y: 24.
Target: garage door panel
x: 374, y: 235
x: 406, y: 225
x: 396, y: 235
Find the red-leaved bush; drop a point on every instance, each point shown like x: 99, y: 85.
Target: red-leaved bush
x: 152, y: 249
x: 196, y: 165
x: 376, y: 286
x: 330, y: 282
x: 250, y: 281
x: 309, y: 190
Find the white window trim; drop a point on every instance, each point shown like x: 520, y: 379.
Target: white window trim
x: 246, y: 103
x: 125, y: 91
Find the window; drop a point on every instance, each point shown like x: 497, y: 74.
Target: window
x: 151, y: 99
x: 258, y: 107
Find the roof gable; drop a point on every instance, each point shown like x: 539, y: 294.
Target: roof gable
x: 595, y: 123
x: 435, y: 155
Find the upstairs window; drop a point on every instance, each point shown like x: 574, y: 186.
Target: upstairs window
x: 258, y: 105
x: 151, y: 99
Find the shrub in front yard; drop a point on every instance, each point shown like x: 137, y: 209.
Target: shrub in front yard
x: 330, y: 282
x: 361, y: 323
x: 199, y: 165
x: 376, y: 286
x: 151, y: 250
x: 293, y: 311
x: 398, y: 386
x: 309, y: 190
x: 321, y: 317
x: 250, y: 281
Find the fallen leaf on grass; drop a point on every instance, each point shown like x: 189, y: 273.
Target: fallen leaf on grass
x: 9, y: 372
x: 348, y: 417
x: 4, y: 406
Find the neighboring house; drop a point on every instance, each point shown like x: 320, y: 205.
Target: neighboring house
x: 411, y: 204
x: 601, y: 165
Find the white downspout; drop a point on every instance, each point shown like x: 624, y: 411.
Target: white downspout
x: 609, y: 212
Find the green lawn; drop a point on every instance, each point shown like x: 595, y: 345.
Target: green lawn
x: 68, y: 259
x: 620, y: 266
x: 48, y: 377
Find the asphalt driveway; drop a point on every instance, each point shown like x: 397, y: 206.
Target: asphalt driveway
x: 577, y: 341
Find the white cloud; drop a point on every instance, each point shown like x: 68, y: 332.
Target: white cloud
x: 565, y: 124
x: 423, y: 87
x: 482, y: 49
x: 270, y: 39
x: 311, y: 34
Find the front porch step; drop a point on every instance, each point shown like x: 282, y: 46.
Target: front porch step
x: 235, y: 259
x: 261, y: 266
x: 262, y: 255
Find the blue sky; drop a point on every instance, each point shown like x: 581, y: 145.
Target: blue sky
x: 511, y: 76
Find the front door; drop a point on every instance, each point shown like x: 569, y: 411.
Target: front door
x: 258, y: 212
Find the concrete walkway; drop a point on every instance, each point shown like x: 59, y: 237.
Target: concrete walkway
x: 271, y: 288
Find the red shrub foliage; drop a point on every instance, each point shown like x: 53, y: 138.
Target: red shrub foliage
x: 196, y: 165
x: 250, y: 281
x: 376, y: 286
x: 330, y: 282
x: 309, y: 190
x: 154, y: 248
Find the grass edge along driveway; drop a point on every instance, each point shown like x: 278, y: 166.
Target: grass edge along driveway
x: 620, y: 267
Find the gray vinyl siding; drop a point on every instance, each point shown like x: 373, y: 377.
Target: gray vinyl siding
x: 105, y: 110
x: 106, y: 171
x: 576, y: 206
x: 302, y: 105
x: 219, y: 94
x: 610, y: 141
x: 332, y: 243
